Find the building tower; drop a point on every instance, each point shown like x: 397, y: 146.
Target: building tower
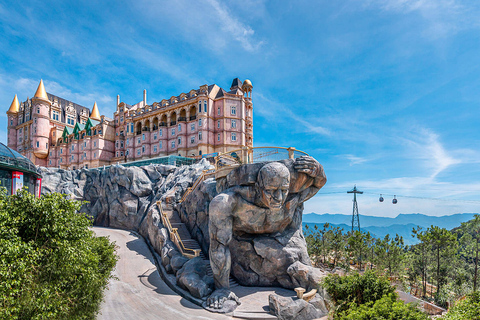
x: 95, y: 115
x: 12, y: 114
x: 247, y: 91
x: 41, y: 124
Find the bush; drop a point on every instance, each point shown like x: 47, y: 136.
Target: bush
x: 356, y: 289
x: 468, y: 309
x: 51, y: 265
x: 386, y: 308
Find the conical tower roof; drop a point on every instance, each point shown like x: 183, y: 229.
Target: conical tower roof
x: 41, y: 93
x: 95, y: 115
x: 15, y: 106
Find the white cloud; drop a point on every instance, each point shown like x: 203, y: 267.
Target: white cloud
x: 442, y: 17
x: 354, y: 160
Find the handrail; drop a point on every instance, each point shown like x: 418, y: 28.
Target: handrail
x: 175, y: 237
x: 197, y: 183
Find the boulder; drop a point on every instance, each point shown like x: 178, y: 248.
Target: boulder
x: 286, y: 308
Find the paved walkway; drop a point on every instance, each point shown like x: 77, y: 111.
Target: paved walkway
x: 139, y: 292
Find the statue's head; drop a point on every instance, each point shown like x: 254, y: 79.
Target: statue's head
x: 272, y: 185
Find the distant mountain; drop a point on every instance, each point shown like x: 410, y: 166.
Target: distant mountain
x: 379, y: 227
x: 417, y: 219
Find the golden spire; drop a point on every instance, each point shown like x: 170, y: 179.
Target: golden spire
x: 95, y: 115
x: 15, y: 106
x: 41, y: 93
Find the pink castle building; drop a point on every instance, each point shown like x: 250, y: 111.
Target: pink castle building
x: 54, y: 132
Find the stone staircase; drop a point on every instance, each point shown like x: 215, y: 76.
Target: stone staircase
x: 187, y: 239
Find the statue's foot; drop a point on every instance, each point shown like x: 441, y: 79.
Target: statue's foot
x: 222, y: 300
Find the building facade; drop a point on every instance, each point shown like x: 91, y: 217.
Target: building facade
x: 54, y: 132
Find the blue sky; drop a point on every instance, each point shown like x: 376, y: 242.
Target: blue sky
x: 385, y: 94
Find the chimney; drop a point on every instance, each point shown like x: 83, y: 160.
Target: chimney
x: 144, y: 97
x: 118, y: 99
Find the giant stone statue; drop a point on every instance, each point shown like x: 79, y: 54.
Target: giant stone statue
x: 255, y: 227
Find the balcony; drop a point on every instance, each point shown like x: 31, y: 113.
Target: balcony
x: 162, y: 124
x: 182, y: 119
x: 193, y: 117
x: 172, y: 123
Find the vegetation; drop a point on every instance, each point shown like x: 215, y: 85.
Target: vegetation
x: 367, y: 296
x: 51, y: 265
x: 469, y: 308
x: 441, y: 268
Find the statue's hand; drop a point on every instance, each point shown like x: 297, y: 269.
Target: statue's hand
x: 219, y: 296
x: 307, y: 165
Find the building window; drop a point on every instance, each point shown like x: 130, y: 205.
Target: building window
x: 38, y: 109
x: 121, y: 119
x: 160, y: 133
x: 127, y: 127
x: 218, y: 124
x: 143, y: 136
x: 234, y: 123
x: 116, y: 144
x: 154, y: 136
x: 218, y: 137
x: 192, y: 140
x: 204, y: 106
x: 155, y: 148
x: 179, y: 128
x: 138, y: 152
x: 84, y: 155
x: 46, y: 145
x: 131, y: 127
x: 192, y: 127
x: 173, y: 144
x: 117, y: 153
x: 143, y: 149
x: 233, y: 110
x: 85, y: 144
x: 160, y: 145
x: 50, y: 162
x: 71, y: 158
x: 128, y: 141
x: 126, y: 153
x: 138, y: 141
x: 11, y: 122
x: 95, y: 143
x: 199, y: 152
x: 61, y: 151
x: 61, y: 160
x: 55, y: 115
x: 179, y: 141
x: 218, y: 111
x: 38, y: 144
x: 121, y: 153
x: 94, y: 154
x: 199, y: 122
x: 173, y: 131
x: 234, y: 136
x: 200, y: 135
x: 121, y: 144
x: 73, y: 147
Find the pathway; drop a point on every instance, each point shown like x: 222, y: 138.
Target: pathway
x: 139, y: 292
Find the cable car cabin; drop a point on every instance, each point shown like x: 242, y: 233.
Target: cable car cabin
x: 380, y: 199
x: 394, y: 201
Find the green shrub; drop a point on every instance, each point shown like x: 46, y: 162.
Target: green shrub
x: 51, y: 265
x: 356, y: 289
x: 468, y: 309
x: 387, y: 307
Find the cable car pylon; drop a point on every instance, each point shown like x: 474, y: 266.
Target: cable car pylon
x: 355, y: 215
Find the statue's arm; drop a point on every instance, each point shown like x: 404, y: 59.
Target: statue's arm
x: 221, y: 229
x: 309, y: 174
